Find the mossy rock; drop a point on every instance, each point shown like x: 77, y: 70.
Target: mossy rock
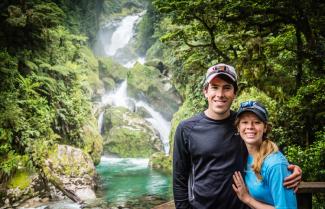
x: 109, y: 83
x: 160, y: 161
x: 130, y: 143
x: 147, y: 83
x: 128, y: 135
x: 93, y: 141
x: 108, y: 68
x: 20, y: 180
x: 64, y: 160
x: 141, y: 78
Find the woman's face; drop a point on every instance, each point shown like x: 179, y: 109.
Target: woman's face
x: 251, y: 129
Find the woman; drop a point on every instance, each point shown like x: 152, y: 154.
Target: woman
x: 266, y: 167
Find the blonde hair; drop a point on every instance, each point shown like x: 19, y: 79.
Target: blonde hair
x: 267, y: 147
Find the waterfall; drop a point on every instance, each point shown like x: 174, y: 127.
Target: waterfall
x: 119, y: 98
x: 100, y: 122
x: 122, y: 35
x: 113, y: 40
x: 159, y: 123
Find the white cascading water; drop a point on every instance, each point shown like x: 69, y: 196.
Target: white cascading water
x: 115, y: 98
x: 122, y: 35
x: 118, y: 97
x: 100, y: 122
x: 159, y: 123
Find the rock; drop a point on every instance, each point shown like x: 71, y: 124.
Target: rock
x: 71, y: 169
x: 86, y: 194
x: 129, y: 135
x: 146, y: 83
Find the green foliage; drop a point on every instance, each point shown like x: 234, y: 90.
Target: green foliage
x: 26, y: 26
x: 311, y: 159
x: 45, y: 15
x: 17, y: 18
x: 142, y: 78
x: 161, y: 162
x: 257, y: 95
x: 120, y: 8
x: 145, y: 30
x: 303, y: 115
x: 45, y: 88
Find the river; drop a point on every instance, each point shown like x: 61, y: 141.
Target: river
x: 129, y: 182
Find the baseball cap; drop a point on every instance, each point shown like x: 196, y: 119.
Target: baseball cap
x: 255, y: 107
x: 221, y: 69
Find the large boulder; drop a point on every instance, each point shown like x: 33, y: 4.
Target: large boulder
x: 111, y: 72
x: 71, y: 171
x: 129, y: 135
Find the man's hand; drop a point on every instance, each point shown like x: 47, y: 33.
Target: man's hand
x: 294, y: 179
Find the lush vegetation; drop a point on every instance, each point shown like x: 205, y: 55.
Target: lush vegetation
x: 47, y: 78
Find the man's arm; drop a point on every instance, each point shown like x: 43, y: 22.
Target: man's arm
x: 294, y: 179
x: 181, y: 169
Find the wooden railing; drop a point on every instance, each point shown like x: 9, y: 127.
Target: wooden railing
x: 305, y: 191
x: 304, y: 195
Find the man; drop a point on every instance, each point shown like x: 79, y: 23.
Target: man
x: 207, y: 150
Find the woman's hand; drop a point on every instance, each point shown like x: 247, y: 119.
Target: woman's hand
x: 242, y: 193
x: 294, y: 179
x: 240, y: 187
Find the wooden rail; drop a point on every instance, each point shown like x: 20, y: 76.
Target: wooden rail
x: 305, y: 191
x: 304, y: 195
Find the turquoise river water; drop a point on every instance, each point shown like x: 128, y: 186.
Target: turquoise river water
x: 130, y: 183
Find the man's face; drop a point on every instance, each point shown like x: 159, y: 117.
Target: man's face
x: 220, y: 95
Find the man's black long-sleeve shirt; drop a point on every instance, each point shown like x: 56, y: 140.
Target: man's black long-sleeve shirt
x: 206, y: 154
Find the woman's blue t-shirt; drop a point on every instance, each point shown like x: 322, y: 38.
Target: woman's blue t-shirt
x: 270, y: 189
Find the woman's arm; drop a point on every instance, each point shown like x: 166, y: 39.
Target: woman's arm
x: 242, y: 193
x: 282, y: 197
